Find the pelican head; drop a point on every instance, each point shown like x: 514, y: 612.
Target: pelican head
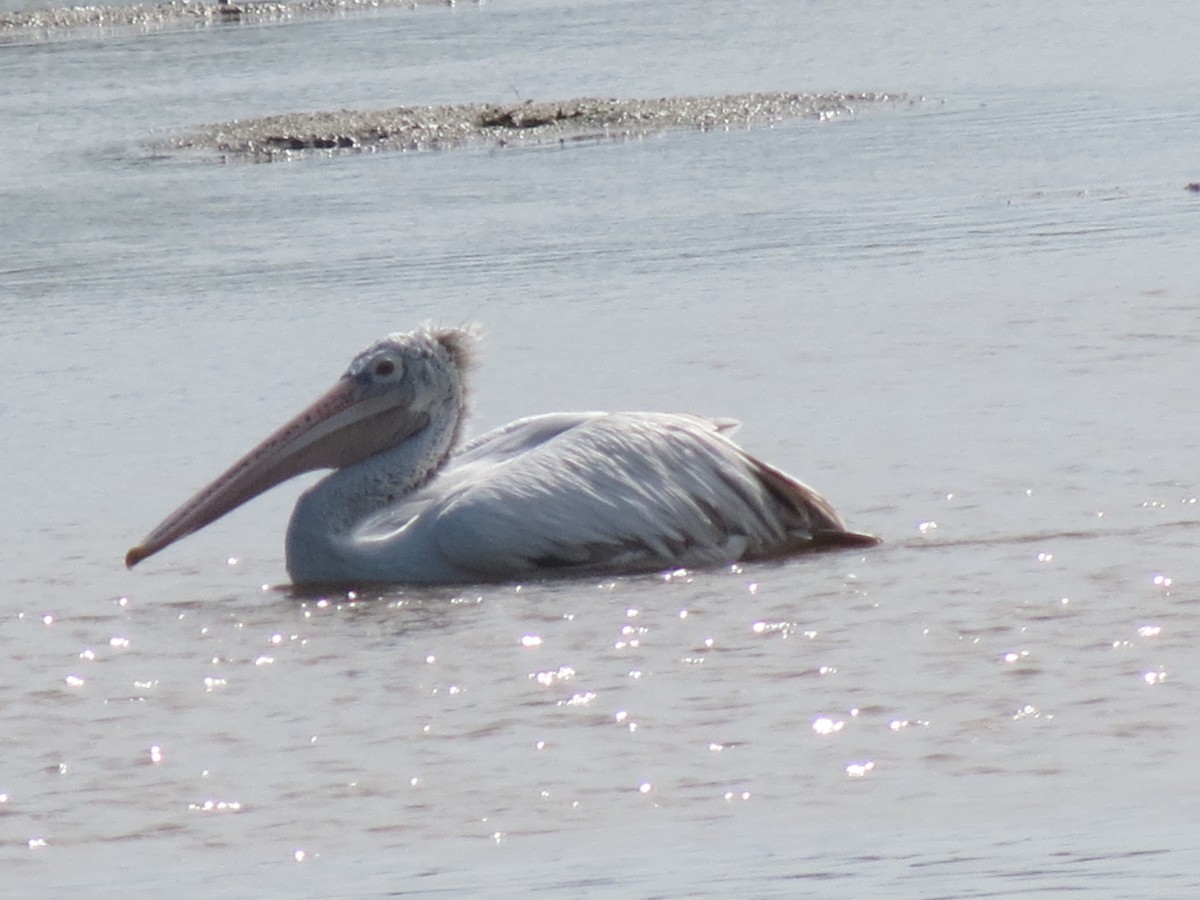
x: 390, y: 394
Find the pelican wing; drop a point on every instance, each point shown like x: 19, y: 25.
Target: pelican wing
x: 626, y: 491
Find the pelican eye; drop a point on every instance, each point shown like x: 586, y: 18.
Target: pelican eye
x: 385, y: 367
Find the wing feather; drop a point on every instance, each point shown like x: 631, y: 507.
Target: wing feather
x: 604, y: 491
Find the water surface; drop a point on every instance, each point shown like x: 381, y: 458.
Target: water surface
x: 969, y: 322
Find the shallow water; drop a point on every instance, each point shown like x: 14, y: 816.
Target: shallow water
x: 969, y: 322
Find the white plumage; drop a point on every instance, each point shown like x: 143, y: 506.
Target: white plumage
x: 553, y: 494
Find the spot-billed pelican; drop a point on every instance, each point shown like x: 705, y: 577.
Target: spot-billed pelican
x: 560, y: 493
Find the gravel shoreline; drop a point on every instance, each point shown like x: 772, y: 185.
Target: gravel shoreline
x: 523, y: 124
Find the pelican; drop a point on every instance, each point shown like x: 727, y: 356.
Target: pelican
x: 561, y: 493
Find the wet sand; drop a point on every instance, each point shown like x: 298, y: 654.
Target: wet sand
x: 23, y: 24
x: 528, y: 123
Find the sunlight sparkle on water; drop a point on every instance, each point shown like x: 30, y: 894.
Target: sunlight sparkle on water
x: 901, y: 724
x: 1029, y: 711
x: 547, y: 678
x: 582, y: 699
x: 783, y: 629
x: 860, y: 770
x: 216, y: 806
x: 824, y: 725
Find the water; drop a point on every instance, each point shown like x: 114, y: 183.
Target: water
x: 970, y: 323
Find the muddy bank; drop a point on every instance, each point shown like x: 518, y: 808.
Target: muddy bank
x: 528, y: 123
x: 34, y: 23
